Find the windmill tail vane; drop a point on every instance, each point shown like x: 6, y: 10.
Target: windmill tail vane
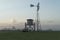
x: 31, y: 5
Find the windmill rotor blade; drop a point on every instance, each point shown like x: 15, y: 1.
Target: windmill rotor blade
x: 38, y: 6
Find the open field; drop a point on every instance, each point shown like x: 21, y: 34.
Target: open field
x: 29, y: 35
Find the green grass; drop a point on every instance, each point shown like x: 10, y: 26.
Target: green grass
x: 29, y: 35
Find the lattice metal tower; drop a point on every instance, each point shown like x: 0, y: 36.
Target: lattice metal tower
x: 37, y: 16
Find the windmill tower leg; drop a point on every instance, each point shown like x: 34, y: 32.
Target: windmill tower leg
x: 34, y: 26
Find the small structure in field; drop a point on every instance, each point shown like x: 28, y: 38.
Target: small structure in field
x: 30, y: 25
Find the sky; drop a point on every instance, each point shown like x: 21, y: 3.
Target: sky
x: 20, y: 10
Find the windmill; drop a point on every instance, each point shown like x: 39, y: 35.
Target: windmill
x: 37, y: 15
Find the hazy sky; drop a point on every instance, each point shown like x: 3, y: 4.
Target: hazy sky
x: 21, y: 10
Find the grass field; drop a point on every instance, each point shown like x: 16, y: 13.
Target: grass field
x: 29, y: 35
